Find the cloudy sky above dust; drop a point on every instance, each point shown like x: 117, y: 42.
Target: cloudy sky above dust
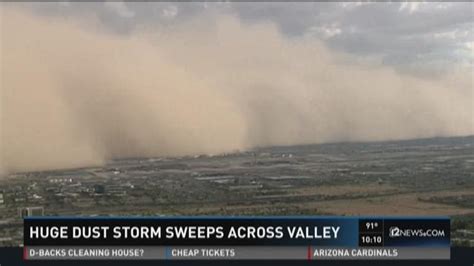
x: 84, y: 83
x: 410, y: 36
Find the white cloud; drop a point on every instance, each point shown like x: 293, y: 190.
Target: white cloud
x: 411, y: 7
x: 120, y: 8
x: 454, y: 34
x: 443, y: 5
x: 470, y: 46
x: 326, y: 31
x: 355, y: 4
x: 170, y: 11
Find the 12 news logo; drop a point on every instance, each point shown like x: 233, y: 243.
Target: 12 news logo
x: 395, y: 231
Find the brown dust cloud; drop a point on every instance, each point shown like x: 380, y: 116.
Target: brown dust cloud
x: 74, y: 95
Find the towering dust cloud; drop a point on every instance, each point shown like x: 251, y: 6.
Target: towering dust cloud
x: 73, y: 95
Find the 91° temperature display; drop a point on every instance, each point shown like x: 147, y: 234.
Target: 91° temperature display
x: 371, y: 233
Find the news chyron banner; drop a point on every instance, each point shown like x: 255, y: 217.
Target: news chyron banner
x: 237, y: 238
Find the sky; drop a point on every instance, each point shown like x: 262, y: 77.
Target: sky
x: 423, y: 38
x: 85, y: 83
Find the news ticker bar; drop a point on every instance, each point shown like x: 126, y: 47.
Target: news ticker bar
x: 233, y: 253
x: 308, y: 237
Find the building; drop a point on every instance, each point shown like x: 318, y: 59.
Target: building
x: 30, y: 211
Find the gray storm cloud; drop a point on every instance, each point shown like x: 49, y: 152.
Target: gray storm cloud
x: 73, y: 95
